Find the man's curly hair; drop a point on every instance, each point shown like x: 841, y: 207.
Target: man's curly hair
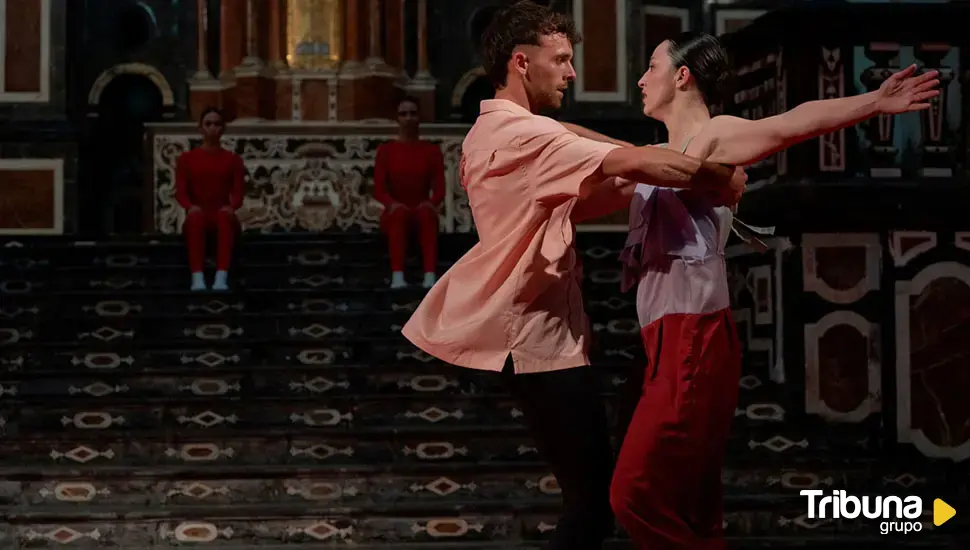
x: 519, y: 24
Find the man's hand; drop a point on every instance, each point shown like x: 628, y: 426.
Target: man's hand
x: 226, y: 209
x: 193, y: 209
x: 729, y: 194
x: 737, y: 185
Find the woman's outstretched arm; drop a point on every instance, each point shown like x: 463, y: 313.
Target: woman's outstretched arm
x: 739, y: 141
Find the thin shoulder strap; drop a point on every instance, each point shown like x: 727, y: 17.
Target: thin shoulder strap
x: 686, y: 144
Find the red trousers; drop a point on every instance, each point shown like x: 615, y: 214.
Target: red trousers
x: 399, y: 223
x: 666, y: 489
x: 201, y: 223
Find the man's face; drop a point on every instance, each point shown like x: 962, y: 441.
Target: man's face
x: 211, y: 126
x: 546, y: 69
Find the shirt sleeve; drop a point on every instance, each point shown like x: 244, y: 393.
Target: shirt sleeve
x: 562, y: 163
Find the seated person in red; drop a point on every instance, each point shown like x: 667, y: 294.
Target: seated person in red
x: 409, y: 180
x: 209, y: 184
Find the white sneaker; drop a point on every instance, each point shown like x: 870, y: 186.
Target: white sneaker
x: 397, y: 280
x: 198, y: 282
x: 221, y: 281
x: 429, y: 280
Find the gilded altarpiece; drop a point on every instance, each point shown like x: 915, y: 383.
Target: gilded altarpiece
x: 314, y: 34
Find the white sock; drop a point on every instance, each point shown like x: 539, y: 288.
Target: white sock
x: 429, y: 279
x: 397, y: 280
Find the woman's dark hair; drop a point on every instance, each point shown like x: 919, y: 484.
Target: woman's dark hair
x: 408, y: 99
x: 208, y: 111
x: 707, y: 61
x: 519, y: 24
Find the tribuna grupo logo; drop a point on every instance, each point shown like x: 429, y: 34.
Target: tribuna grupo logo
x: 899, y: 514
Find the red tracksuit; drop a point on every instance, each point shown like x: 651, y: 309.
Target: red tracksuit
x: 213, y: 181
x: 409, y: 180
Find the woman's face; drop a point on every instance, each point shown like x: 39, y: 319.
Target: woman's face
x: 659, y: 83
x: 407, y: 115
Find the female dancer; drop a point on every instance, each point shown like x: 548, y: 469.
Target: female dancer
x: 409, y: 180
x: 666, y: 489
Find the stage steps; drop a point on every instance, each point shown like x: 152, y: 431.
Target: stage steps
x: 290, y: 413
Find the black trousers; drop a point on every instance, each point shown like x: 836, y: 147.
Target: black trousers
x: 567, y: 418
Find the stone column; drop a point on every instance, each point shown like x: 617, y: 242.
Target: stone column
x: 201, y: 66
x: 354, y: 93
x: 353, y: 55
x: 252, y: 59
x: 374, y: 27
x: 254, y: 91
x: 277, y: 42
x: 422, y: 86
x: 282, y: 77
x: 204, y: 89
x: 423, y: 71
x: 232, y: 42
x: 394, y: 34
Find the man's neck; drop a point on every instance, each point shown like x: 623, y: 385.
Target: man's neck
x: 212, y: 146
x: 515, y: 94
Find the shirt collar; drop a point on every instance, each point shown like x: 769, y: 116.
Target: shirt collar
x: 489, y: 105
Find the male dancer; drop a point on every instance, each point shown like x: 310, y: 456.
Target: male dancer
x: 513, y: 304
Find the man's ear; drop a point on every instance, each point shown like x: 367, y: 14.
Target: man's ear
x: 520, y: 61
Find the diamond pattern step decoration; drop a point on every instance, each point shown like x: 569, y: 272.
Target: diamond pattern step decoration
x: 290, y: 413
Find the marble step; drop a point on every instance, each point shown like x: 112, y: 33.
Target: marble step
x: 107, y: 347
x: 210, y: 358
x: 50, y: 253
x: 522, y: 489
x: 398, y: 450
x: 331, y: 384
x: 366, y: 416
x: 38, y: 307
x: 874, y: 542
x: 112, y: 379
x: 270, y: 279
x: 297, y: 497
x: 252, y: 330
x: 340, y: 530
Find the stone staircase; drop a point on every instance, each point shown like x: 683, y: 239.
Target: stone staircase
x: 290, y: 413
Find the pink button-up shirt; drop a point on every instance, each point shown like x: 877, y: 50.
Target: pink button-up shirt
x: 518, y: 290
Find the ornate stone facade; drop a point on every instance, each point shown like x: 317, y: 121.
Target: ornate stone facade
x: 304, y: 177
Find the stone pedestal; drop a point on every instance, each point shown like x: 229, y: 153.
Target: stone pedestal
x: 422, y: 88
x: 283, y: 95
x: 365, y: 93
x: 205, y: 93
x: 318, y: 92
x: 255, y: 93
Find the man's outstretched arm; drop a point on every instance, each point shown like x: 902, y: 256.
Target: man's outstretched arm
x: 595, y: 136
x: 662, y: 167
